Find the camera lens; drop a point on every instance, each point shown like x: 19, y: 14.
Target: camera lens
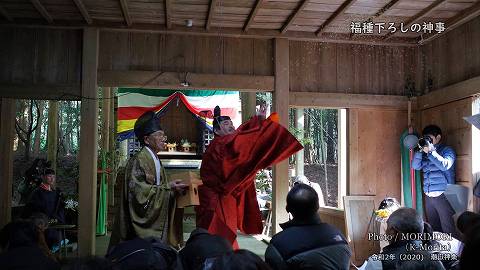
x: 423, y: 142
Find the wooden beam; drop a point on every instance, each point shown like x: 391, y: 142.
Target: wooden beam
x: 41, y: 9
x: 340, y: 100
x: 294, y: 15
x: 454, y: 22
x: 387, y: 6
x: 83, y: 10
x: 280, y: 105
x: 174, y: 80
x: 335, y: 14
x: 224, y: 32
x: 5, y: 14
x: 382, y: 11
x: 253, y: 13
x: 417, y: 16
x: 87, y: 183
x: 125, y: 11
x: 211, y: 10
x: 40, y: 91
x: 7, y: 123
x: 271, y: 34
x: 454, y: 92
x: 168, y: 11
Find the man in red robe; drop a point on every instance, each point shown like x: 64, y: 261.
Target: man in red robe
x: 227, y: 197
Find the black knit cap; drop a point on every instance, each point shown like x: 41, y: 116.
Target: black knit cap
x: 146, y: 124
x: 218, y: 118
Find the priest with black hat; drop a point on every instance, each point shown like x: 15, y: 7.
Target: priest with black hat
x: 147, y: 207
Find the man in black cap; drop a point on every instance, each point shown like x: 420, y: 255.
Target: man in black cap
x: 147, y: 206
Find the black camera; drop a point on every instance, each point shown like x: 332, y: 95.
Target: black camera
x: 425, y: 141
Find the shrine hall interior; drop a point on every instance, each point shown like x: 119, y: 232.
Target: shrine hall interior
x: 379, y: 65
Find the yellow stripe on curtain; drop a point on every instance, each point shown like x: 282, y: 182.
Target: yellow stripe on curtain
x: 125, y: 125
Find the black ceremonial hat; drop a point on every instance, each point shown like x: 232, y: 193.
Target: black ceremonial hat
x: 217, y: 117
x: 146, y: 124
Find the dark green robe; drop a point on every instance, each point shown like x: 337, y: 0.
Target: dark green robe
x: 146, y: 209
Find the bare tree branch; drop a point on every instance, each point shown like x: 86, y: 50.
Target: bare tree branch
x: 38, y: 117
x: 19, y: 130
x: 20, y: 127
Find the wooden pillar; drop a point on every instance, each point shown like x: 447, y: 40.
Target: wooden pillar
x: 342, y: 156
x: 123, y: 152
x: 106, y: 119
x: 106, y: 111
x: 113, y: 119
x: 299, y: 124
x: 475, y: 157
x: 88, y: 145
x: 111, y: 133
x: 52, y: 133
x: 7, y: 123
x: 249, y: 102
x: 280, y: 106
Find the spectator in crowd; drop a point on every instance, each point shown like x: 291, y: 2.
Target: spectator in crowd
x: 444, y: 247
x: 41, y: 224
x: 238, y: 260
x: 20, y: 250
x: 466, y: 222
x: 471, y: 231
x: 200, y: 247
x: 404, y: 221
x: 304, y: 180
x: 47, y: 199
x: 437, y: 161
x: 306, y: 242
x: 142, y: 253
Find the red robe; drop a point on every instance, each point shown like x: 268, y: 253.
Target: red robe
x: 228, y: 198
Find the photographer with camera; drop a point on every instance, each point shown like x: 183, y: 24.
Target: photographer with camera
x: 437, y: 161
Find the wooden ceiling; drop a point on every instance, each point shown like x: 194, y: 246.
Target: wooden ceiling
x: 308, y: 19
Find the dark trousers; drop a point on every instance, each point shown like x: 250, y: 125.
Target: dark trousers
x: 440, y: 214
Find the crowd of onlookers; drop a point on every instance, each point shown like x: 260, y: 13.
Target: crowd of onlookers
x: 305, y: 243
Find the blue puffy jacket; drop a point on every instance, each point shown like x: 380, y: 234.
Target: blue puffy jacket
x: 438, y: 167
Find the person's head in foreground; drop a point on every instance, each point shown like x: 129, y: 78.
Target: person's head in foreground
x: 222, y: 124
x: 202, y: 246
x: 404, y: 220
x: 469, y: 257
x: 19, y: 233
x: 467, y: 221
x: 149, y: 132
x: 302, y: 202
x: 239, y: 260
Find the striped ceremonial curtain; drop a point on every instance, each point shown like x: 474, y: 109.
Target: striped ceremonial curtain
x: 133, y: 102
